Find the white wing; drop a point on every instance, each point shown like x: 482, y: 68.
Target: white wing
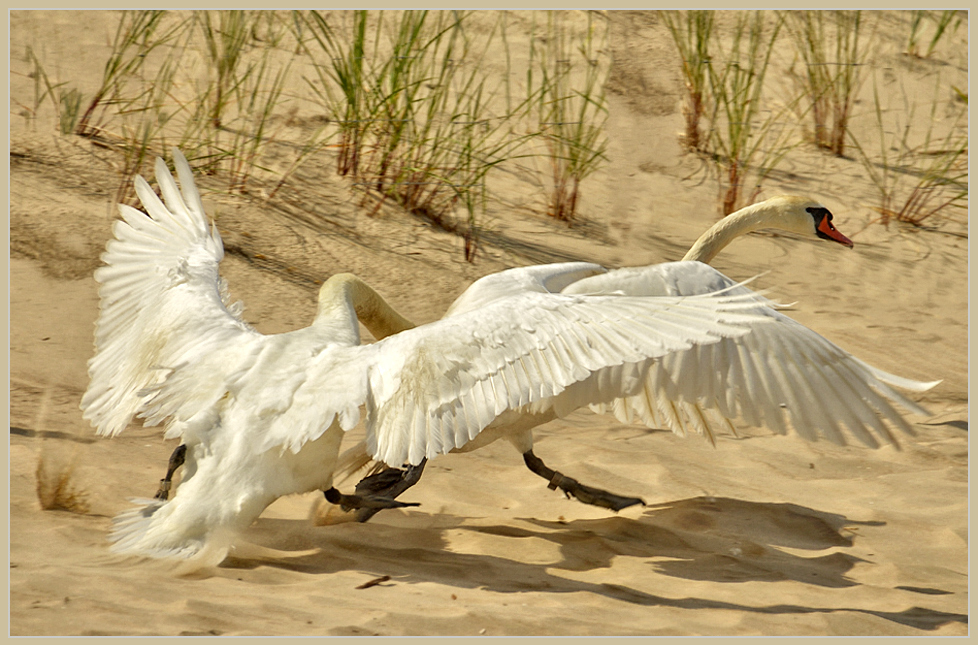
x: 163, y: 306
x: 167, y: 346
x: 434, y: 388
x: 779, y: 374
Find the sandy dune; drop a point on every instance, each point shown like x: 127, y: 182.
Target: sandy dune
x: 762, y: 534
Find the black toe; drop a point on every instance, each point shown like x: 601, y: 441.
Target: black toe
x: 368, y: 502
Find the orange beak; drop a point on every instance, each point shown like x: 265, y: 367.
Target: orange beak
x: 826, y: 228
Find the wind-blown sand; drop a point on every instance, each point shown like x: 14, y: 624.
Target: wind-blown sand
x: 761, y: 534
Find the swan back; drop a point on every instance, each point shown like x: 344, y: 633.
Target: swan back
x: 543, y: 278
x: 665, y: 279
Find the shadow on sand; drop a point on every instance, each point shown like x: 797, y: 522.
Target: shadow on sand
x: 704, y: 538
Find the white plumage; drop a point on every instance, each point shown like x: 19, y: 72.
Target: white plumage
x: 779, y: 376
x: 262, y: 416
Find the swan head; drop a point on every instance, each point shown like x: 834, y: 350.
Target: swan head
x: 803, y: 216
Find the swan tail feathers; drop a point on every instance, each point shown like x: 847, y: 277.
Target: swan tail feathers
x: 138, y: 531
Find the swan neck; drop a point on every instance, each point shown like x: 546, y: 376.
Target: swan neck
x: 370, y: 308
x: 751, y: 218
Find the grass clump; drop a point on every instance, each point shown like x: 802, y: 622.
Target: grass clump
x: 243, y: 92
x: 138, y: 34
x: 829, y: 45
x: 413, y: 112
x: 226, y: 124
x: 942, y: 21
x: 918, y: 175
x: 209, y: 82
x: 342, y: 84
x: 725, y: 88
x: 226, y: 35
x: 138, y: 126
x: 415, y: 115
x: 65, y: 102
x: 691, y: 32
x: 43, y: 89
x: 56, y: 489
x: 566, y: 102
x: 745, y: 138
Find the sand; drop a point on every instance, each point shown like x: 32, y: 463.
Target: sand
x: 760, y: 535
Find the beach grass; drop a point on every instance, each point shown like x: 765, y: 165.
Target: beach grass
x: 567, y: 107
x: 417, y: 120
x: 412, y: 117
x: 56, y: 483
x: 403, y: 109
x: 138, y: 34
x: 833, y: 49
x: 942, y: 21
x: 692, y: 32
x: 747, y: 137
x: 919, y: 173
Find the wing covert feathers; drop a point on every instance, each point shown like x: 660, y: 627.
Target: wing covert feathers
x: 436, y: 389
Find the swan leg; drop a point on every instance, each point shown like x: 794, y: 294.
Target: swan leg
x: 176, y: 460
x: 367, y: 501
x: 388, y: 483
x: 573, y: 488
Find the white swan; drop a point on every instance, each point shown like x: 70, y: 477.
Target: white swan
x: 263, y: 416
x: 778, y: 376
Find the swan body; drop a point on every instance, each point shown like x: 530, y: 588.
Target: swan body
x: 262, y: 416
x: 780, y: 376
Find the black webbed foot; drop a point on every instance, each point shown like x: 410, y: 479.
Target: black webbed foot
x: 363, y: 502
x: 573, y: 488
x: 388, y: 484
x: 176, y: 460
x: 380, y: 483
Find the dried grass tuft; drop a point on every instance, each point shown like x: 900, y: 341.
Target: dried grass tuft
x: 56, y: 488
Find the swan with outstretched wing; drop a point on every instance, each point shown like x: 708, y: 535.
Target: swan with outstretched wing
x: 780, y: 376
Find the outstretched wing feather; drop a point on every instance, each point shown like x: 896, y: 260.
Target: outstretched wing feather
x: 161, y: 307
x: 779, y: 374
